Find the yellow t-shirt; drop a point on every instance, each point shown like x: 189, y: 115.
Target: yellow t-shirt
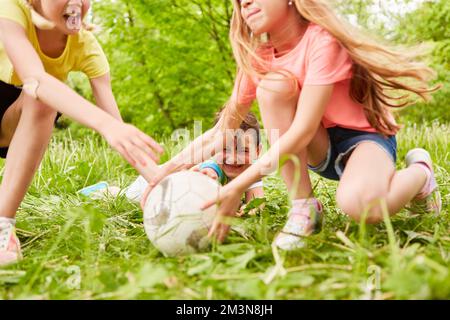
x: 82, y: 53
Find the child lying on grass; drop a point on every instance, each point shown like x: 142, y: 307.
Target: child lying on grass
x: 226, y: 165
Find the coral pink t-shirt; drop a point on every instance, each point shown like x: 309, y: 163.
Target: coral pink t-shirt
x: 318, y: 59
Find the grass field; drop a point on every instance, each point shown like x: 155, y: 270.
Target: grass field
x: 77, y: 248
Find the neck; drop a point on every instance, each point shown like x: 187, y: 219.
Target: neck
x: 53, y: 34
x: 287, y: 35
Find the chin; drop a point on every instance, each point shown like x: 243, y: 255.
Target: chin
x: 72, y: 32
x: 67, y: 31
x: 258, y: 31
x: 231, y: 175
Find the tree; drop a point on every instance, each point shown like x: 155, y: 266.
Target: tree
x: 430, y: 23
x: 170, y: 60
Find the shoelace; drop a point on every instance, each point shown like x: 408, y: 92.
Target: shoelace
x: 5, y: 232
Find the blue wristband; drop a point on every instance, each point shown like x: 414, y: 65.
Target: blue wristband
x: 213, y: 165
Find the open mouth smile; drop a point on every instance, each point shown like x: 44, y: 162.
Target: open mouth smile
x: 72, y: 16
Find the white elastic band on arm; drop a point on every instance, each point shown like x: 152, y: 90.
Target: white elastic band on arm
x: 30, y: 87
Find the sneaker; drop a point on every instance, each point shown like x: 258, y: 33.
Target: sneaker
x: 429, y: 198
x: 135, y: 190
x: 100, y: 190
x: 9, y: 243
x: 303, y: 221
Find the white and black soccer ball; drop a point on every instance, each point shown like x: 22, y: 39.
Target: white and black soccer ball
x: 173, y: 220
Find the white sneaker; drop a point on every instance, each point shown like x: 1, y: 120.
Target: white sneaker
x: 135, y: 190
x: 429, y: 199
x: 9, y: 243
x: 100, y: 190
x: 302, y: 222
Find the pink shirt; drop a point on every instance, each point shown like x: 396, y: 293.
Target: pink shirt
x: 318, y: 59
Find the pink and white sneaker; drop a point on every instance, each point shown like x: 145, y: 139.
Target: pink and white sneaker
x: 9, y: 243
x: 305, y: 218
x: 428, y: 200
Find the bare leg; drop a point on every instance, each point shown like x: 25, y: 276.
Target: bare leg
x: 10, y: 121
x: 278, y: 99
x: 369, y: 177
x: 28, y: 125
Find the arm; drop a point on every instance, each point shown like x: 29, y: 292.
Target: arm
x: 310, y: 109
x: 51, y: 91
x: 207, y: 142
x: 206, y: 171
x: 205, y: 146
x: 130, y: 142
x: 101, y: 88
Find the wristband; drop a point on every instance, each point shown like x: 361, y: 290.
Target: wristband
x: 213, y: 165
x: 30, y: 87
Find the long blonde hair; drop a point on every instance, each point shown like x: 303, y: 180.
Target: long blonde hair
x: 379, y: 71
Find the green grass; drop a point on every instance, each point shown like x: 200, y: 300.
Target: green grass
x: 76, y: 248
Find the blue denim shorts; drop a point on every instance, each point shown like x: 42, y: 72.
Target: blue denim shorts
x: 342, y: 143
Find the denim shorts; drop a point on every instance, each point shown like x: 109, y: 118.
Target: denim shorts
x: 8, y: 95
x: 342, y: 143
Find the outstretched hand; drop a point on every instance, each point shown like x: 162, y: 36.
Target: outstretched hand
x: 206, y: 171
x: 227, y: 201
x: 161, y: 173
x: 134, y: 145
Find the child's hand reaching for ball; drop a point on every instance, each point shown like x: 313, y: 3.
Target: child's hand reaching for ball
x: 228, y: 202
x: 206, y: 171
x: 161, y: 172
x: 134, y: 145
x: 145, y: 196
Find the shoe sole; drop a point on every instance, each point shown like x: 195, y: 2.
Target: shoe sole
x: 11, y: 261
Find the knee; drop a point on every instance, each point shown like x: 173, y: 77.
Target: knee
x: 38, y: 110
x: 362, y: 202
x: 276, y: 86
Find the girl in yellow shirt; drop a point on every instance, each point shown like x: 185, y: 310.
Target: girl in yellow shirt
x: 41, y: 41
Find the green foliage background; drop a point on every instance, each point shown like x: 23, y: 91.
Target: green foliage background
x: 172, y: 64
x: 170, y: 60
x: 431, y: 24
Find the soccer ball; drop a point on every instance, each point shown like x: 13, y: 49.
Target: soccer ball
x: 173, y: 220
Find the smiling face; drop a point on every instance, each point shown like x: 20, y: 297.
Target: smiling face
x: 239, y: 153
x: 67, y: 15
x: 264, y: 16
